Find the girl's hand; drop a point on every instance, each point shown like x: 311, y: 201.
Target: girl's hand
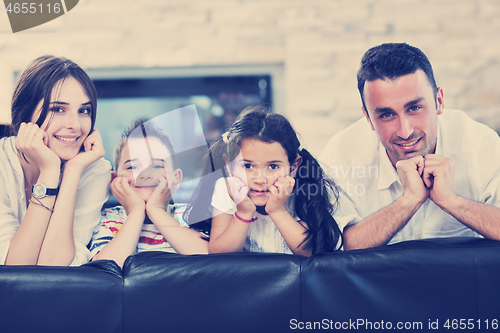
x: 126, y: 195
x: 280, y: 191
x: 238, y: 191
x: 160, y: 197
x: 94, y: 150
x: 32, y: 141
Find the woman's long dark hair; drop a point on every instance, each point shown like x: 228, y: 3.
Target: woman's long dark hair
x: 314, y: 196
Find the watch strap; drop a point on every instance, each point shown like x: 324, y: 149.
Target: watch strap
x: 52, y: 191
x: 39, y: 190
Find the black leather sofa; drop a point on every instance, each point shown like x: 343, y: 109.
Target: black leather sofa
x: 413, y: 286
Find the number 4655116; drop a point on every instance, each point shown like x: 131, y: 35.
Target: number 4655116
x: 32, y: 8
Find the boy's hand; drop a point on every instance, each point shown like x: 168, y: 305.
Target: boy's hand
x: 280, y: 191
x: 126, y: 195
x: 94, y: 150
x: 160, y: 197
x: 238, y: 191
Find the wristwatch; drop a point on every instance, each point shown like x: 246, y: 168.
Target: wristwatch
x: 39, y: 190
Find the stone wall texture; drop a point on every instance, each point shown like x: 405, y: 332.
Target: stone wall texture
x: 318, y: 43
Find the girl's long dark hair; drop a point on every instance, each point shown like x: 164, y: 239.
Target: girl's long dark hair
x: 314, y: 196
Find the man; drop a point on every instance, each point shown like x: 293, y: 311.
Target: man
x: 415, y: 170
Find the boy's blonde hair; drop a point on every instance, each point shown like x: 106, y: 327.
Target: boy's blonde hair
x: 141, y: 134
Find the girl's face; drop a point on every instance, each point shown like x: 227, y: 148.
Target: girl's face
x: 68, y: 121
x: 258, y: 165
x: 144, y: 165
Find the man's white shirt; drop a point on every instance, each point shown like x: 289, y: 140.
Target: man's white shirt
x: 358, y: 163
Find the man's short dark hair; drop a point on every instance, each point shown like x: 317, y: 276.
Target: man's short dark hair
x: 390, y: 61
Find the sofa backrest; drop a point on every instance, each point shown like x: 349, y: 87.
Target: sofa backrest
x: 409, y: 285
x: 217, y: 293
x: 413, y: 285
x: 61, y: 299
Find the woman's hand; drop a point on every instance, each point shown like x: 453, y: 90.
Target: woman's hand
x: 238, y: 191
x: 32, y: 142
x: 160, y: 197
x: 280, y: 191
x: 126, y: 195
x: 93, y: 150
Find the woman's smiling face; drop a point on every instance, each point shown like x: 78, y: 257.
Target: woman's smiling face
x: 68, y: 122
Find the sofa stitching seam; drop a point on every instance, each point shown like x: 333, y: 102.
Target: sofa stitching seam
x: 300, y: 289
x: 477, y: 282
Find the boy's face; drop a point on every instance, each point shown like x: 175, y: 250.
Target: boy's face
x: 144, y: 165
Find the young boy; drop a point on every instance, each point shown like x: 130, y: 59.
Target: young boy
x: 144, y: 182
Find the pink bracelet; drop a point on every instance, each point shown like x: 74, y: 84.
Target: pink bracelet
x: 243, y: 220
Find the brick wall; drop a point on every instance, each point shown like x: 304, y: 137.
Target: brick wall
x: 318, y: 42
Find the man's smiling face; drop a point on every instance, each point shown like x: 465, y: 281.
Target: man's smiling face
x: 404, y: 112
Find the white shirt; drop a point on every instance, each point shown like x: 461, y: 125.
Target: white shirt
x: 91, y: 195
x: 263, y: 235
x: 359, y: 164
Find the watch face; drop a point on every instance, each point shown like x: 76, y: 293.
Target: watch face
x: 39, y: 191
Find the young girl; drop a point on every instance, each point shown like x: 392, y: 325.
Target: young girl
x: 146, y: 179
x: 275, y: 197
x: 52, y: 174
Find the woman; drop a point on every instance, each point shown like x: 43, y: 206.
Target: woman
x: 53, y: 178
